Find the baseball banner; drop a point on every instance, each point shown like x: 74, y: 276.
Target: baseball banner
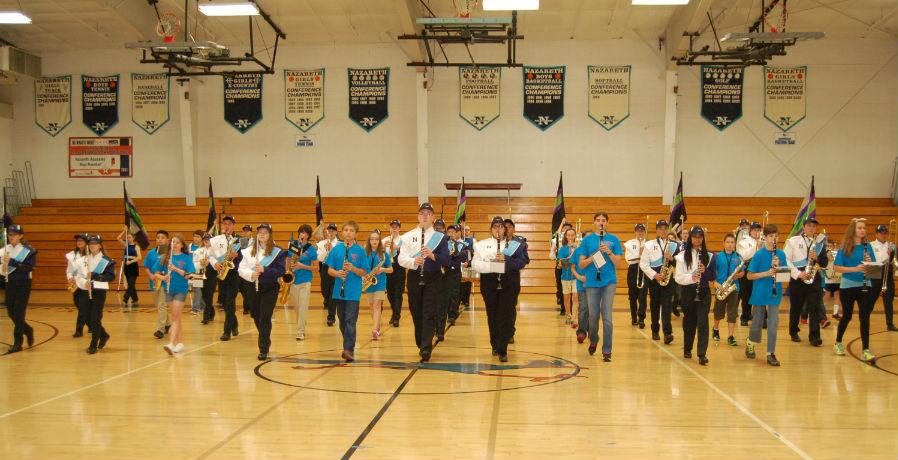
x: 99, y: 102
x: 243, y: 100
x: 543, y: 95
x: 721, y: 95
x: 785, y: 100
x: 609, y: 94
x: 369, y: 96
x: 478, y: 98
x: 304, y: 97
x: 149, y: 100
x: 53, y: 103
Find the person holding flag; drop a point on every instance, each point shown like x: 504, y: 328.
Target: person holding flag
x: 559, y: 227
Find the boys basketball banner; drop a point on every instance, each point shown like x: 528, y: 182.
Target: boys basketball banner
x: 53, y: 103
x: 368, y: 96
x: 99, y: 102
x: 149, y: 100
x: 243, y: 100
x: 543, y: 95
x: 609, y: 94
x: 721, y: 95
x: 304, y: 97
x: 478, y: 101
x: 784, y: 95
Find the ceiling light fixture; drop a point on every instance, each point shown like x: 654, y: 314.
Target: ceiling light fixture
x: 13, y: 17
x: 229, y: 8
x: 659, y: 2
x: 506, y: 5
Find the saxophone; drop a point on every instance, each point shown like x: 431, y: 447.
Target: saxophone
x: 228, y: 263
x: 667, y: 269
x: 813, y: 267
x: 729, y: 285
x: 371, y: 279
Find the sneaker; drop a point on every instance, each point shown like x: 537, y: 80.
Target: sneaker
x: 839, y: 349
x: 749, y: 350
x: 703, y: 360
x: 795, y: 337
x: 592, y: 348
x: 567, y: 319
x: 668, y: 339
x: 300, y: 336
x: 824, y: 323
x: 347, y: 355
x: 867, y: 356
x: 731, y: 341
x: 158, y: 334
x: 804, y: 321
x: 581, y: 336
x: 641, y: 324
x: 715, y: 334
x: 169, y: 348
x: 837, y: 316
x: 179, y: 348
x: 656, y: 336
x: 606, y: 357
x: 771, y: 359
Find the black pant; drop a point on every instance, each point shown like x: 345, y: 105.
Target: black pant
x: 208, y: 292
x: 94, y: 303
x: 395, y: 288
x: 660, y: 306
x: 745, y: 286
x: 695, y: 317
x: 327, y: 290
x: 261, y: 308
x: 807, y: 297
x: 227, y: 295
x: 449, y: 287
x: 636, y: 295
x: 244, y: 289
x: 83, y: 319
x: 865, y: 302
x: 131, y: 291
x: 888, y: 297
x: 464, y: 293
x: 423, y: 303
x: 558, y: 295
x: 500, y: 307
x: 17, y: 294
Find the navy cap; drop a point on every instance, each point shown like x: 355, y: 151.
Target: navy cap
x: 81, y: 236
x: 230, y: 218
x: 755, y: 225
x: 812, y: 220
x: 95, y: 239
x: 882, y: 228
x: 426, y: 206
x: 332, y: 226
x: 439, y: 223
x: 396, y: 223
x: 509, y: 221
x: 743, y: 222
x: 497, y: 221
x: 247, y: 228
x: 265, y: 226
x: 207, y: 236
x: 455, y: 227
x: 661, y: 223
x: 15, y: 228
x: 697, y: 231
x: 639, y: 227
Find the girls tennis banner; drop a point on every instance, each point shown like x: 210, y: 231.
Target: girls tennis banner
x: 53, y: 103
x: 304, y: 97
x: 721, y: 95
x: 785, y: 101
x: 243, y: 100
x: 478, y: 100
x: 543, y: 95
x: 149, y: 100
x: 99, y: 102
x: 609, y: 94
x: 369, y: 96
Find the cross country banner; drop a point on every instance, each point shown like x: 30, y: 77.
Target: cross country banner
x: 785, y: 100
x: 53, y: 103
x: 721, y: 95
x: 149, y: 100
x: 243, y: 100
x: 478, y: 99
x: 609, y: 94
x: 99, y: 102
x: 304, y: 97
x: 543, y: 95
x: 368, y: 96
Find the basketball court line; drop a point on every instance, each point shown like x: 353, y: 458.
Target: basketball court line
x: 730, y: 399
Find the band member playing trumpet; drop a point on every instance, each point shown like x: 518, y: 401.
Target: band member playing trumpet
x: 303, y: 262
x: 766, y: 295
x: 636, y: 287
x: 746, y: 248
x: 568, y: 286
x: 601, y: 256
x: 885, y: 250
x: 163, y: 322
x: 17, y: 261
x: 695, y: 272
x: 74, y: 261
x: 805, y: 254
x: 98, y: 272
x: 326, y: 243
x: 173, y: 271
x: 852, y: 262
x: 396, y: 278
x: 262, y: 265
x: 133, y: 256
x: 352, y: 260
x: 657, y: 266
x: 226, y: 255
x: 729, y: 267
x: 381, y: 265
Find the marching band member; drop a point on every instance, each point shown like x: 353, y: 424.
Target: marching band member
x: 396, y: 278
x: 380, y: 265
x: 601, y: 248
x: 443, y: 297
x: 636, y: 289
x: 17, y: 261
x: 727, y: 265
x: 744, y: 229
x: 74, y: 262
x: 226, y: 251
x: 583, y: 307
x: 163, y: 322
x: 424, y: 262
x: 657, y: 254
x: 510, y: 232
x: 173, y: 270
x: 832, y: 279
x: 352, y: 260
x: 677, y: 304
x: 465, y: 292
x: 303, y: 269
x: 695, y: 272
x: 568, y: 286
x: 133, y: 256
x: 554, y: 246
x: 94, y: 278
x: 801, y: 251
x: 262, y: 266
x: 746, y: 248
x: 852, y: 260
x: 246, y: 289
x: 198, y: 252
x: 766, y: 293
x: 458, y: 256
x: 210, y: 279
x: 885, y: 251
x: 324, y: 247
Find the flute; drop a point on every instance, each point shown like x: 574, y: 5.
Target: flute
x: 258, y: 254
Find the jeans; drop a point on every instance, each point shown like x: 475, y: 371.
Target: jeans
x: 773, y: 320
x: 348, y: 313
x: 198, y: 304
x: 583, y: 312
x: 600, y: 300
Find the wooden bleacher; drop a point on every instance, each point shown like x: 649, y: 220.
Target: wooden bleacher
x: 51, y: 223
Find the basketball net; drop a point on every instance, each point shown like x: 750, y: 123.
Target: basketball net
x: 464, y: 7
x: 168, y: 27
x: 775, y: 19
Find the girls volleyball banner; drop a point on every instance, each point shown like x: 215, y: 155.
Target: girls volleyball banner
x: 53, y: 103
x: 609, y: 94
x: 721, y: 95
x: 149, y: 100
x: 369, y: 96
x: 99, y: 102
x: 543, y: 95
x: 304, y: 97
x: 243, y: 100
x: 785, y: 100
x: 478, y: 100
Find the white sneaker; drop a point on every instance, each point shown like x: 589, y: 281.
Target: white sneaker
x: 169, y: 348
x: 300, y: 336
x: 179, y: 348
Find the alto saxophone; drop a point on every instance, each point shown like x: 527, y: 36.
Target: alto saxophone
x: 371, y: 279
x: 667, y: 269
x: 729, y: 285
x: 813, y: 267
x: 228, y: 263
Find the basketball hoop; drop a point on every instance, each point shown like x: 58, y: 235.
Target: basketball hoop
x: 464, y: 7
x: 168, y: 27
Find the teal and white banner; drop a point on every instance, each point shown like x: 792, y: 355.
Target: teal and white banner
x: 478, y: 99
x: 150, y: 100
x: 369, y: 96
x: 53, y: 103
x: 543, y: 95
x: 785, y: 100
x: 609, y: 94
x: 304, y: 97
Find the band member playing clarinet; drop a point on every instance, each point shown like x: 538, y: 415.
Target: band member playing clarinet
x: 98, y: 272
x: 17, y: 261
x: 636, y: 287
x: 74, y: 261
x: 352, y: 261
x: 805, y: 292
x: 852, y: 262
x: 602, y: 253
x: 263, y: 266
x: 695, y: 272
x: 396, y: 279
x: 766, y: 294
x: 885, y: 251
x: 656, y: 263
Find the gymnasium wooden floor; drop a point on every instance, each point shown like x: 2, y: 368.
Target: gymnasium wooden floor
x: 132, y: 400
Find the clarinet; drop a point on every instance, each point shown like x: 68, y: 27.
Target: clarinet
x: 421, y: 269
x: 601, y: 240
x: 774, y: 262
x: 864, y: 288
x: 499, y: 252
x: 258, y: 255
x: 345, y: 259
x: 699, y: 268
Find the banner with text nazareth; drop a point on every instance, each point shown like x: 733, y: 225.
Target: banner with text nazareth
x: 99, y: 102
x: 543, y: 95
x: 243, y: 100
x: 721, y: 95
x: 609, y: 94
x: 304, y: 97
x: 785, y: 100
x: 149, y: 100
x: 478, y: 98
x: 53, y: 103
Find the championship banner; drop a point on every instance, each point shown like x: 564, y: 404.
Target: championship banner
x: 100, y: 157
x: 543, y: 95
x: 784, y: 95
x: 721, y: 95
x: 478, y: 100
x: 368, y: 96
x: 99, y: 102
x: 609, y: 94
x: 243, y: 100
x: 53, y: 103
x: 149, y: 100
x: 304, y: 97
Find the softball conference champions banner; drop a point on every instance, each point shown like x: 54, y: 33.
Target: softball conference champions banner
x: 368, y: 96
x: 304, y: 97
x: 478, y: 100
x: 785, y: 100
x: 543, y: 95
x: 149, y: 100
x: 99, y: 102
x: 100, y: 156
x: 53, y: 103
x: 609, y: 94
x: 243, y: 100
x: 721, y: 95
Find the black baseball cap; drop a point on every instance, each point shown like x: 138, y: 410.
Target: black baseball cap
x: 426, y: 206
x: 455, y: 227
x: 230, y: 218
x: 497, y: 221
x: 265, y: 226
x: 207, y: 236
x: 697, y: 231
x: 396, y: 223
x: 661, y: 223
x: 332, y: 226
x: 639, y: 227
x: 813, y: 220
x: 439, y: 223
x: 15, y: 228
x: 755, y: 225
x: 881, y: 228
x: 95, y: 239
x: 744, y: 222
x: 509, y: 221
x: 247, y: 228
x: 81, y: 236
